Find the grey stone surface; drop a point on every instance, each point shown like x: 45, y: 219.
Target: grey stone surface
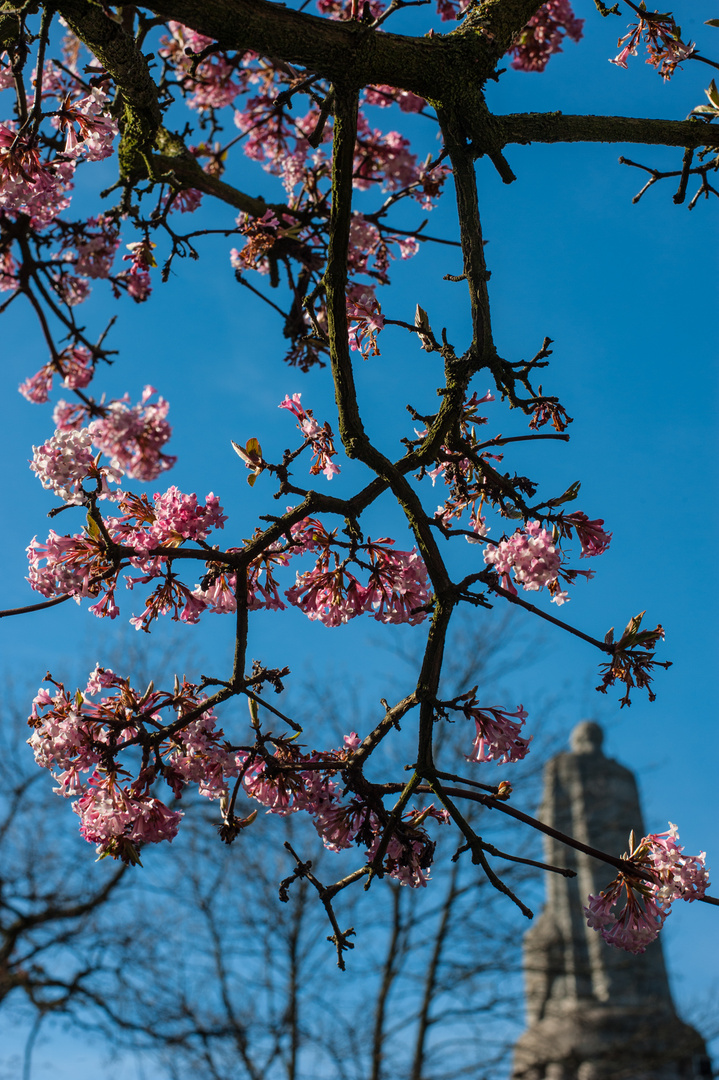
x: 595, y: 1012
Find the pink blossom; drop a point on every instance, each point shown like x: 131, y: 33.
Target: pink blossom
x: 63, y: 462
x: 364, y: 320
x: 665, y: 48
x: 187, y: 200
x: 76, y: 735
x: 451, y: 9
x: 137, y: 278
x: 37, y: 387
x: 429, y: 184
x: 111, y: 816
x: 200, y: 757
x: 260, y: 236
x: 68, y: 416
x: 219, y: 594
x: 179, y: 517
x: 680, y: 876
x: 621, y: 59
x: 320, y: 438
x: 397, y: 591
x: 97, y: 128
x: 409, y: 853
x: 530, y: 553
x: 72, y: 290
x: 497, y: 737
x: 67, y: 565
x: 383, y: 158
x: 212, y: 85
x: 648, y: 903
x: 76, y: 366
x: 133, y: 437
x: 544, y: 34
x: 591, y: 534
x: 96, y: 252
x: 52, y: 84
x: 332, y: 596
x: 29, y: 186
x: 636, y: 926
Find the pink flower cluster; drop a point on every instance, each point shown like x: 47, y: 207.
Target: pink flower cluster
x: 29, y: 185
x: 74, y: 364
x: 365, y: 321
x: 133, y: 436
x: 397, y: 590
x: 73, y: 735
x: 451, y: 9
x: 137, y: 279
x: 172, y: 518
x: 70, y: 566
x: 383, y: 158
x: 97, y: 129
x: 319, y: 437
x: 117, y: 818
x: 146, y: 535
x: 677, y: 876
x: 544, y: 34
x: 39, y: 188
x: 288, y: 783
x: 369, y: 250
x: 81, y: 566
x: 212, y: 85
x: 63, y: 462
x: 497, y: 733
x: 591, y: 534
x: 96, y: 246
x: 533, y: 557
x: 261, y: 235
x: 662, y: 38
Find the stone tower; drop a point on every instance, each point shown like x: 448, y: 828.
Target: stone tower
x: 595, y: 1012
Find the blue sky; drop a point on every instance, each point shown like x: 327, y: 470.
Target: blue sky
x: 627, y: 293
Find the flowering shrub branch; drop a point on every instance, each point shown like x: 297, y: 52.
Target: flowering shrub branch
x: 296, y: 92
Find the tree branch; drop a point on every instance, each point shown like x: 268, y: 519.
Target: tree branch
x: 555, y: 127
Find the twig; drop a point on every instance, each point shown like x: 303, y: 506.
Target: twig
x: 303, y: 870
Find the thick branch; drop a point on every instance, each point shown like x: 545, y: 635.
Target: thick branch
x: 555, y: 127
x: 345, y: 52
x: 117, y: 52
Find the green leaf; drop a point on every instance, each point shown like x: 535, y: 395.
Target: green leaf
x: 92, y: 527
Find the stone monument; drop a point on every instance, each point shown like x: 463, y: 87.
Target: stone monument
x: 595, y: 1012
